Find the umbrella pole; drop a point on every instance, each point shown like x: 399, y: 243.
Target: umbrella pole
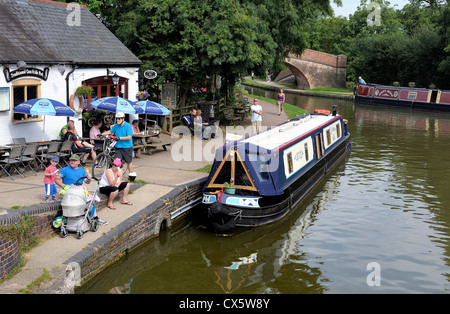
x: 145, y: 124
x: 43, y: 131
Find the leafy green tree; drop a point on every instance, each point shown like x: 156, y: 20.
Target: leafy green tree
x: 187, y: 41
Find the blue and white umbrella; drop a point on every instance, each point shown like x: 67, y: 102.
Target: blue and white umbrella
x: 154, y: 108
x: 44, y: 107
x: 117, y: 104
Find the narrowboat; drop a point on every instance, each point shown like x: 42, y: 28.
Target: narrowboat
x: 422, y: 98
x: 259, y: 179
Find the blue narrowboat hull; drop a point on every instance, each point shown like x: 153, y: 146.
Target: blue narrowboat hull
x: 226, y: 211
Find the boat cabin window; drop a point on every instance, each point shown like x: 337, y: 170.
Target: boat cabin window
x: 328, y: 137
x: 290, y: 164
x: 338, y: 130
x: 319, y: 145
x: 306, y: 152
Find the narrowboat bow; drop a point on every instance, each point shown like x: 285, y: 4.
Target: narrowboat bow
x: 259, y: 179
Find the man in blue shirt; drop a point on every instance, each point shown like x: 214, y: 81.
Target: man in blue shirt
x: 124, y: 138
x: 71, y: 174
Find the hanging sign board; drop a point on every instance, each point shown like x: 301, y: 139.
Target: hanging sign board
x: 13, y: 75
x: 169, y: 95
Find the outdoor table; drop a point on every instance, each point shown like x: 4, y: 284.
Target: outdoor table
x: 4, y: 150
x: 140, y: 143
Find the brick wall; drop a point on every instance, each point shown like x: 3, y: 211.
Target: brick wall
x: 126, y: 236
x: 9, y: 256
x: 42, y: 219
x: 318, y: 69
x: 134, y: 231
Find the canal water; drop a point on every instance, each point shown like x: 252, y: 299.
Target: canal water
x: 379, y: 223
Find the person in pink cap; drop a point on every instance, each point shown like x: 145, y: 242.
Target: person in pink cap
x: 111, y: 183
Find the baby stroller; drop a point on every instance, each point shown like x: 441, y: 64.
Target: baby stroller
x: 78, y: 210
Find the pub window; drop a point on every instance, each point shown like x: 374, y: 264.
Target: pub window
x: 22, y: 91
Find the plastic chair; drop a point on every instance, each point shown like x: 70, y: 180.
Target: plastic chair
x: 13, y: 161
x: 53, y: 149
x: 65, y: 152
x: 29, y: 156
x: 19, y: 140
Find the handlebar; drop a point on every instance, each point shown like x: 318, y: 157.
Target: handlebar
x: 85, y: 177
x: 109, y: 136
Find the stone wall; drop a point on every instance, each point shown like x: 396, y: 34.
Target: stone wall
x: 128, y: 235
x: 134, y: 231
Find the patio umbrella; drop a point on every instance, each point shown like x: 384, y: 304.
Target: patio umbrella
x: 44, y: 107
x: 117, y: 104
x: 153, y: 108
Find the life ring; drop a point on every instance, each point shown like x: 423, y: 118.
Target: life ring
x: 81, y: 103
x: 322, y: 111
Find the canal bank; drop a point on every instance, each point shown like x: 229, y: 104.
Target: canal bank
x: 167, y: 179
x: 274, y: 86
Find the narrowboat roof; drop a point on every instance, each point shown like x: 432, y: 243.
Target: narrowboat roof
x: 259, y: 155
x: 277, y: 137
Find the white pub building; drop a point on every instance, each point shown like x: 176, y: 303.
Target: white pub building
x: 47, y: 50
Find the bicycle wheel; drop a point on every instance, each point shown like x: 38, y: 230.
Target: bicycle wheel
x: 101, y: 163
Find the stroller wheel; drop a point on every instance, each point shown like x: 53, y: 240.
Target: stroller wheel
x: 63, y: 233
x: 79, y: 234
x: 94, y: 224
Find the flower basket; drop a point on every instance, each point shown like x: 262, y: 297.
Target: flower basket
x: 230, y: 190
x: 142, y: 95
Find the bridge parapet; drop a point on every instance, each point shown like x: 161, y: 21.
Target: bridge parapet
x: 317, y: 69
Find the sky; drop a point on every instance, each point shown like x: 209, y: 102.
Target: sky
x: 349, y: 6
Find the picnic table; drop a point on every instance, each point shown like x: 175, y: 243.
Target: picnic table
x: 143, y: 142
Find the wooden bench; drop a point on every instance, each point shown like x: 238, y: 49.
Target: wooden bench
x: 228, y: 114
x: 158, y: 144
x: 137, y: 150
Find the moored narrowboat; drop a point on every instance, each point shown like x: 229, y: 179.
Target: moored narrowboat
x: 259, y: 179
x: 422, y: 98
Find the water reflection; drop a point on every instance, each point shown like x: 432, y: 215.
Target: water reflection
x: 386, y: 204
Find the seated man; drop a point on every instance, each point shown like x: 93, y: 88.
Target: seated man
x: 71, y: 174
x: 65, y: 129
x: 142, y: 125
x: 80, y: 147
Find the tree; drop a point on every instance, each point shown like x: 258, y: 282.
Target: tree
x: 190, y: 40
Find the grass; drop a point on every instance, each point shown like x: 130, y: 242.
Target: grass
x: 37, y: 282
x: 317, y: 90
x: 291, y: 110
x: 206, y: 169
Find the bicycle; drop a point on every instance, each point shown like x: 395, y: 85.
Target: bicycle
x: 104, y: 160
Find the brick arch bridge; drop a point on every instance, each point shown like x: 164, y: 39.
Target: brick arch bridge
x: 315, y: 69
